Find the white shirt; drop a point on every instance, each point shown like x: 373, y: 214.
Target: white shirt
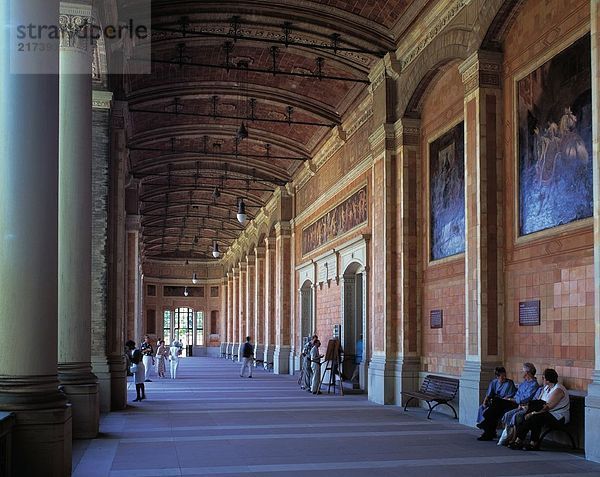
x: 562, y: 409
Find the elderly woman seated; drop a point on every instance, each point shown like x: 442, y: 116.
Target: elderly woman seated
x: 495, y: 404
x: 554, y: 408
x: 528, y: 390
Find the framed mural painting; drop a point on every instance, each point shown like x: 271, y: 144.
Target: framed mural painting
x: 447, y: 194
x: 554, y: 114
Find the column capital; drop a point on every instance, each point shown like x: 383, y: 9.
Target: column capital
x: 407, y: 131
x: 250, y: 259
x: 382, y: 138
x: 482, y: 69
x: 283, y: 228
x: 133, y: 223
x: 270, y: 243
x: 242, y: 266
x: 75, y: 22
x: 101, y: 99
x: 259, y: 251
x: 235, y: 271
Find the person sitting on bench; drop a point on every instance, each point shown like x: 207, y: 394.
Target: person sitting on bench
x: 555, y: 411
x: 495, y: 404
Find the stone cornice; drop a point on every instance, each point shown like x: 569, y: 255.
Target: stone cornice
x: 407, y: 131
x: 101, y: 99
x: 437, y: 19
x: 380, y: 138
x: 336, y: 140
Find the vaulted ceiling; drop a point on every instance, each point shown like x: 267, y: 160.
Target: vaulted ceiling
x: 287, y: 70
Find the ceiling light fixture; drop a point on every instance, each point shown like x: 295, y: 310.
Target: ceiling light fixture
x: 241, y: 212
x: 186, y: 292
x: 194, y: 278
x: 215, y: 251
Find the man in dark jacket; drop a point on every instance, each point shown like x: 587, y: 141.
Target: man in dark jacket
x: 247, y: 357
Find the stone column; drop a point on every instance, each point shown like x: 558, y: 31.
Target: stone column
x: 235, y: 314
x: 295, y: 336
x: 259, y: 302
x: 29, y: 112
x: 75, y: 223
x: 241, y: 317
x: 133, y: 328
x: 250, y: 287
x: 283, y: 297
x: 117, y: 258
x: 407, y: 363
x: 223, y: 318
x: 483, y: 222
x: 592, y: 400
x: 270, y: 287
x: 229, y: 313
x: 100, y: 184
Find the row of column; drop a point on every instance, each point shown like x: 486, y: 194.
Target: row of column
x: 258, y: 301
x: 46, y: 244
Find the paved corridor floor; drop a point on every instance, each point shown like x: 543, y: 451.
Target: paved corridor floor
x: 212, y: 422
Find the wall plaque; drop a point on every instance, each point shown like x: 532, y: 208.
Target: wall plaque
x: 529, y: 313
x: 436, y: 318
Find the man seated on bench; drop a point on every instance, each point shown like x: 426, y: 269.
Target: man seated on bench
x: 554, y: 412
x: 524, y: 394
x: 495, y: 404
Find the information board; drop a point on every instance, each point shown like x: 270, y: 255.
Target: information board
x: 529, y: 313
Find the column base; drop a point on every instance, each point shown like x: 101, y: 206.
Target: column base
x: 118, y: 382
x: 41, y: 438
x: 294, y: 362
x: 81, y: 388
x: 388, y: 378
x: 281, y: 360
x: 363, y: 376
x: 474, y: 381
x: 235, y: 352
x: 222, y: 349
x: 592, y: 419
x: 102, y: 371
x: 268, y: 353
x: 259, y: 353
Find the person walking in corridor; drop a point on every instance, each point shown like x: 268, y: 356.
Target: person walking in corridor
x: 315, y: 360
x: 148, y: 357
x: 247, y: 357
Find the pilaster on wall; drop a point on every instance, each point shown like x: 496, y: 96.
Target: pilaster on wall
x: 592, y: 401
x: 229, y: 349
x: 116, y: 325
x: 269, y: 293
x: 242, y: 305
x: 483, y: 221
x: 101, y: 101
x: 283, y: 297
x: 235, y: 310
x: 250, y: 296
x: 133, y: 326
x: 383, y: 259
x: 223, y: 327
x: 259, y: 301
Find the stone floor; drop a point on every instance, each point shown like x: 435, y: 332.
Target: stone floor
x: 212, y: 422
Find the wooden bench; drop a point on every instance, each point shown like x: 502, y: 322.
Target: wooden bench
x: 438, y: 389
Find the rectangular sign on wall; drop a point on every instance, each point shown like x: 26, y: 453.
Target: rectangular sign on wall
x: 436, y: 318
x: 529, y: 313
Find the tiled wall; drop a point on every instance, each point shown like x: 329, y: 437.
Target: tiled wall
x: 553, y: 266
x: 443, y: 350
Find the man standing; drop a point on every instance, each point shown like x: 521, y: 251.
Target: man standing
x: 315, y: 359
x: 247, y: 357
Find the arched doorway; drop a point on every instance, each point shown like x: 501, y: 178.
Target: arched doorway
x: 306, y: 309
x: 353, y: 325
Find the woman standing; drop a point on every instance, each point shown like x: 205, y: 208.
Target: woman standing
x: 148, y: 357
x: 161, y: 353
x: 138, y: 371
x: 174, y: 353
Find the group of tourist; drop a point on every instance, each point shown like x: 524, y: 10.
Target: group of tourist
x: 142, y: 360
x: 522, y: 410
x: 311, y: 366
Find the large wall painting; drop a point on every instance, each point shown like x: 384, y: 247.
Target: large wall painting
x: 349, y: 214
x: 555, y: 141
x: 447, y: 193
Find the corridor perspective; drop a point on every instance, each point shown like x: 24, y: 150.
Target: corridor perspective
x: 209, y: 421
x: 406, y: 191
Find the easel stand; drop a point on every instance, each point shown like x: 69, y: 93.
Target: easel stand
x: 332, y: 364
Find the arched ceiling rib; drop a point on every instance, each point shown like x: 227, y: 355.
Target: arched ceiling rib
x: 286, y: 70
